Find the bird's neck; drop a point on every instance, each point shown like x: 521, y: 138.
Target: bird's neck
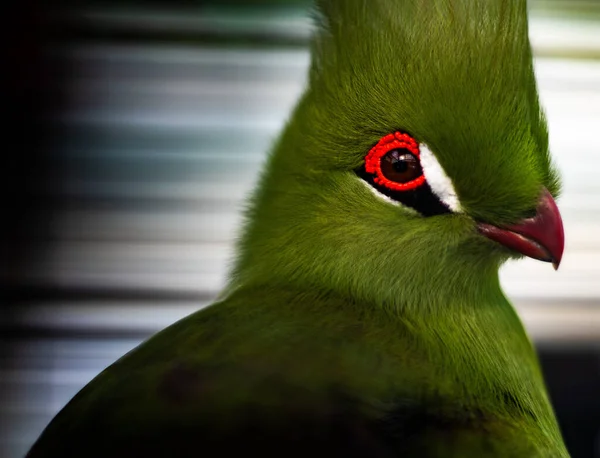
x: 410, y: 282
x: 451, y: 311
x: 485, y: 348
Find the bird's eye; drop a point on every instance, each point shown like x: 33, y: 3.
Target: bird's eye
x: 394, y: 163
x: 399, y: 168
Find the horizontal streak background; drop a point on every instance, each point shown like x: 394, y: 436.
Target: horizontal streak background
x: 162, y: 141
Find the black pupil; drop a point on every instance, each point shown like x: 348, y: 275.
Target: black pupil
x: 401, y: 166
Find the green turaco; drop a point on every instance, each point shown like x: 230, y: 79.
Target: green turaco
x: 364, y: 315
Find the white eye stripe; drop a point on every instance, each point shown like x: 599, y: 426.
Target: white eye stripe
x: 438, y: 181
x: 389, y: 200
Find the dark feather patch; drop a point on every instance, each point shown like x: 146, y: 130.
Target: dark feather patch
x: 421, y: 199
x: 180, y: 384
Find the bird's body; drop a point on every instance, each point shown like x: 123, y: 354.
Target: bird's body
x: 357, y: 384
x: 364, y: 317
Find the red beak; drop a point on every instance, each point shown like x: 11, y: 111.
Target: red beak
x: 541, y: 237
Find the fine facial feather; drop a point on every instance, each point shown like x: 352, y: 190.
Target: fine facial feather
x: 458, y: 76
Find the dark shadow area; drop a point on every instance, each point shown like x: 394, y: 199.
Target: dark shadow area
x: 573, y: 380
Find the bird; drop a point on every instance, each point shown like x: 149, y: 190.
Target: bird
x: 363, y: 315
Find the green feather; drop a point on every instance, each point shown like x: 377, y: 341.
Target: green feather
x: 350, y: 325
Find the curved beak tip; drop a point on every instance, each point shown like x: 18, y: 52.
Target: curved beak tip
x: 540, y: 237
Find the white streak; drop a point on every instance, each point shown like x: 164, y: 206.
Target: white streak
x: 388, y: 199
x: 438, y: 181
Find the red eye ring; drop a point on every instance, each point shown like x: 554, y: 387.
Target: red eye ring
x: 390, y: 142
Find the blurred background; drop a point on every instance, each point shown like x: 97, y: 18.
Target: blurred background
x: 135, y: 130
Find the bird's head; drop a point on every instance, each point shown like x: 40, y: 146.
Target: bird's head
x: 417, y: 159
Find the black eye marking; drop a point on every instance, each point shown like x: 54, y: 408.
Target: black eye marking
x: 393, y: 167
